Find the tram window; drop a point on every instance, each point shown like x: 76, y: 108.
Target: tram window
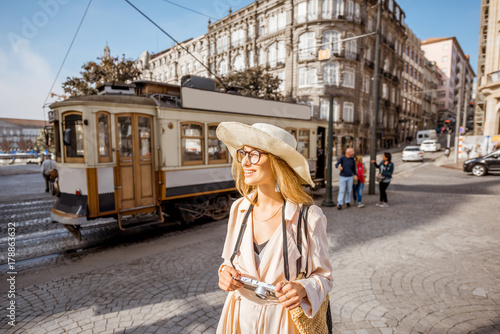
x: 192, y: 143
x: 145, y: 136
x: 57, y: 142
x: 292, y: 131
x: 303, y: 143
x: 217, y: 152
x: 125, y: 143
x: 103, y: 137
x: 73, y: 137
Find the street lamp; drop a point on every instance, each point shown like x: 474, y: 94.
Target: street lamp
x: 329, y: 156
x: 375, y: 99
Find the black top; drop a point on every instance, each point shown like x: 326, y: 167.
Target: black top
x: 348, y: 166
x: 259, y: 248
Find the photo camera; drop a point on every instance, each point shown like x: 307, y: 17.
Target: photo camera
x: 261, y: 289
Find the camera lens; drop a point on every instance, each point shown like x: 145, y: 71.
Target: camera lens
x: 261, y: 292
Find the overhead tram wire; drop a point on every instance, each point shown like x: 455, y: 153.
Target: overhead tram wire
x: 66, y: 56
x: 191, y: 10
x: 166, y: 33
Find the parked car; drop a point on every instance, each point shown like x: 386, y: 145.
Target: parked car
x: 412, y: 153
x: 430, y: 145
x: 484, y: 164
x: 36, y: 161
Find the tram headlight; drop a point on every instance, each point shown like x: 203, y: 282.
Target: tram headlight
x: 78, y: 192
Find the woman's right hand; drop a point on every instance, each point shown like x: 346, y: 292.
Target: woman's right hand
x: 226, y: 280
x: 372, y: 161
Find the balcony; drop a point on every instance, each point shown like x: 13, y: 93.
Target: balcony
x: 494, y: 77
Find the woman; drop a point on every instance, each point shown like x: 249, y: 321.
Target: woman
x: 269, y: 173
x: 358, y: 188
x: 386, y: 168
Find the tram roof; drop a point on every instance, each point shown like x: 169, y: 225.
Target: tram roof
x: 121, y: 99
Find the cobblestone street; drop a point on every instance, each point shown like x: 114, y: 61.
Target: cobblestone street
x: 430, y: 263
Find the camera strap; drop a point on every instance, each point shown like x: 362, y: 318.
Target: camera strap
x: 302, y: 217
x: 240, y: 235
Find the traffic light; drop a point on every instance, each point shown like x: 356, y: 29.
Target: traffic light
x: 447, y: 121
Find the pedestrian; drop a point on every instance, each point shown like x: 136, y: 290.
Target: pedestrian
x: 347, y: 168
x: 269, y: 173
x: 358, y: 188
x: 47, y: 165
x: 386, y: 168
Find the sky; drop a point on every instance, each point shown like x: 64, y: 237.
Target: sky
x: 35, y: 36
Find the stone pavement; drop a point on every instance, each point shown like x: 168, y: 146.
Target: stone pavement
x: 430, y: 263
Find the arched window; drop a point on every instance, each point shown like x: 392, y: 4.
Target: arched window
x: 329, y: 39
x: 223, y: 67
x: 351, y: 47
x: 307, y: 46
x: 331, y: 74
x: 239, y: 63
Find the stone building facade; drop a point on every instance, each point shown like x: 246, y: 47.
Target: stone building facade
x: 455, y: 90
x: 287, y: 36
x: 14, y: 131
x: 487, y: 109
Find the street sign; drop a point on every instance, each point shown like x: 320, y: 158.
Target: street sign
x: 461, y: 129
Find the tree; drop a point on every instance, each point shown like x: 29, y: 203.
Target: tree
x: 106, y: 69
x: 24, y: 144
x: 5, y: 145
x: 255, y: 81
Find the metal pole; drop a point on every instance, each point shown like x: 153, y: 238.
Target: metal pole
x: 457, y: 119
x: 328, y: 192
x: 375, y: 100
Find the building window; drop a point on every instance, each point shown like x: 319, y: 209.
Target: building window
x: 307, y: 76
x: 312, y: 12
x: 325, y: 110
x: 292, y: 131
x: 250, y: 58
x: 239, y: 63
x: 327, y: 9
x: 222, y: 44
x: 223, y: 67
x: 445, y: 46
x: 237, y: 37
x: 271, y: 55
x: 385, y: 93
x: 103, y: 137
x: 260, y: 60
x: 281, y: 76
x: 281, y: 20
x: 192, y: 144
x: 331, y: 74
x: 303, y: 142
x: 348, y: 78
x: 348, y: 112
x: 217, y: 151
x: 367, y: 84
x: 73, y: 137
x: 261, y: 27
x: 445, y: 59
x: 329, y: 41
x: 301, y: 12
x: 339, y: 8
x: 251, y: 31
x: 350, y: 10
x: 351, y: 48
x: 307, y: 46
x: 272, y: 24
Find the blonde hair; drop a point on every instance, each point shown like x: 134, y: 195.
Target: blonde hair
x: 290, y: 182
x: 358, y: 158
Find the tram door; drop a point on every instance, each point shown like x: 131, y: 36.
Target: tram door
x: 136, y: 167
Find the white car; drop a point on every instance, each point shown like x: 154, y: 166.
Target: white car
x: 430, y: 145
x: 37, y: 161
x: 412, y: 153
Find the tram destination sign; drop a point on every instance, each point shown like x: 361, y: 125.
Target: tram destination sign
x: 193, y: 98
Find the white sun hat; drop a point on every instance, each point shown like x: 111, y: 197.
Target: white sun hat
x: 269, y: 138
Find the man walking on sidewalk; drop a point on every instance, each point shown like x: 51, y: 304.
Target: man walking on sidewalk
x: 47, y: 166
x: 347, y: 168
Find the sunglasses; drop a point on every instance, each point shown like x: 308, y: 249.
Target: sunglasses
x: 253, y: 155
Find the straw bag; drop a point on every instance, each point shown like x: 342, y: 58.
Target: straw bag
x: 321, y: 323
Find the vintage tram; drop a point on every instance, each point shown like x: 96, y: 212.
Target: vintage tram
x: 149, y: 149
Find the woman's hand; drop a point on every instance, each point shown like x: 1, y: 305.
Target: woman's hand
x: 372, y: 161
x: 226, y: 280
x: 380, y: 175
x: 290, y: 294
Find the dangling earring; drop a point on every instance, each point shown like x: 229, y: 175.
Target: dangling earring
x: 277, y: 188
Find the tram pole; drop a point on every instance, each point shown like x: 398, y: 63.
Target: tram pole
x: 329, y: 156
x: 375, y: 99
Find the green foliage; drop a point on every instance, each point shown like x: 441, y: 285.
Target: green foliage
x: 106, y: 69
x: 255, y: 81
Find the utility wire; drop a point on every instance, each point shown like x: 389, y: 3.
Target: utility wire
x: 191, y: 10
x: 65, y: 57
x: 166, y: 33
